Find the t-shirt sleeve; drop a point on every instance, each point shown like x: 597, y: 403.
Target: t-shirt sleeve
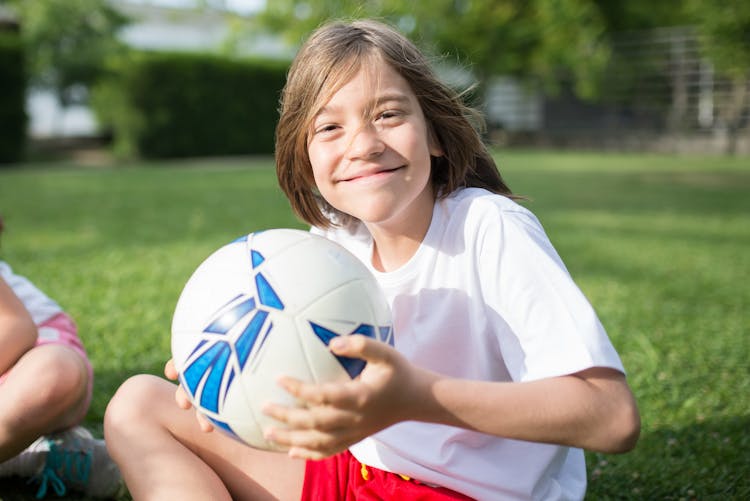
x: 553, y: 329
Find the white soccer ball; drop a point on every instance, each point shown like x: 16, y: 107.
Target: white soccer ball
x: 264, y: 305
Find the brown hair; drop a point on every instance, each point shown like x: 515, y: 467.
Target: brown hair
x: 331, y: 57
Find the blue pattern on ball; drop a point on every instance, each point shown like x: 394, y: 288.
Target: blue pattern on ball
x: 209, y: 363
x: 353, y: 366
x: 209, y: 369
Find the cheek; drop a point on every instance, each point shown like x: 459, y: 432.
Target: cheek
x: 317, y: 164
x: 320, y: 181
x: 420, y: 152
x: 325, y: 158
x: 321, y: 169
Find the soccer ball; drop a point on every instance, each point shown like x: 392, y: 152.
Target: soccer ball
x: 264, y: 305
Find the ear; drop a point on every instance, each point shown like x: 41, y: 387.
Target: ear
x: 434, y: 145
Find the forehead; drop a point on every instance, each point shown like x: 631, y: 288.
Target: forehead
x: 370, y: 76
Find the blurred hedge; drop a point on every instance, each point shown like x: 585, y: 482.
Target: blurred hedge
x: 168, y: 105
x: 12, y: 98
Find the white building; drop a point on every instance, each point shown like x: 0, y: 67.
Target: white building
x: 156, y: 25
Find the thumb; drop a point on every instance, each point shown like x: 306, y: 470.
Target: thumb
x: 359, y: 346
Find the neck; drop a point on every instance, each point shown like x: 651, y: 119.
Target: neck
x: 393, y: 247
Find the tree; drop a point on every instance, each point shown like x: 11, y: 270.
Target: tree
x: 724, y: 28
x: 638, y: 15
x: 533, y: 39
x: 721, y: 29
x: 68, y: 42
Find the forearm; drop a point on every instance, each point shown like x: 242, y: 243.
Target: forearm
x: 594, y: 409
x: 17, y: 336
x: 18, y: 333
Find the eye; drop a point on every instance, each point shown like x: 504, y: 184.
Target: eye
x: 388, y: 114
x: 325, y: 128
x: 391, y: 117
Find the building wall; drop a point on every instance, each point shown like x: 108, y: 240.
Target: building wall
x: 154, y: 27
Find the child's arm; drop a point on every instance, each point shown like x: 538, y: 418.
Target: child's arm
x: 593, y: 409
x: 18, y: 332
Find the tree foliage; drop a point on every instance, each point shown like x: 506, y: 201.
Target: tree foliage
x: 724, y: 27
x: 725, y: 30
x: 548, y: 41
x: 68, y: 41
x: 529, y: 38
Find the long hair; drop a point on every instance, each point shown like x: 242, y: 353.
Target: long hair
x: 331, y: 57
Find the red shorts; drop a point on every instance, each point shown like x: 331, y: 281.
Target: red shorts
x: 343, y: 478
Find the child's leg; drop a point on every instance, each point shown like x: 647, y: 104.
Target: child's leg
x: 46, y: 391
x: 163, y: 454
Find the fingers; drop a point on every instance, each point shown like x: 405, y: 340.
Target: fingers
x: 332, y: 416
x: 311, y: 434
x: 203, y: 422
x: 341, y: 395
x: 359, y: 346
x: 183, y: 402
x: 182, y: 398
x: 321, y: 428
x: 311, y: 444
x: 322, y: 418
x: 169, y: 370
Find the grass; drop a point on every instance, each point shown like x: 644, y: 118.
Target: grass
x: 659, y: 244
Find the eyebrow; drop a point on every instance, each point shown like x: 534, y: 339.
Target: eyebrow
x: 396, y: 97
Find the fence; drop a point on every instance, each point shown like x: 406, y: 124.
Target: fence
x: 659, y: 93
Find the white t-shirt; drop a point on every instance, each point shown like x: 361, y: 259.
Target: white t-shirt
x: 40, y: 306
x: 485, y: 297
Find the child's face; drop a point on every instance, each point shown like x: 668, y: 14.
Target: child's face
x: 370, y: 151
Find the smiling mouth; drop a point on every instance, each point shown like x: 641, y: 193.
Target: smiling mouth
x: 372, y: 174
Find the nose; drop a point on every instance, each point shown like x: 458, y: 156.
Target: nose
x: 366, y: 143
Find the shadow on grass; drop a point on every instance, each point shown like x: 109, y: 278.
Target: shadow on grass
x: 18, y: 489
x: 702, y: 461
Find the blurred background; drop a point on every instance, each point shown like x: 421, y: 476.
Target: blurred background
x: 182, y: 78
x: 136, y: 136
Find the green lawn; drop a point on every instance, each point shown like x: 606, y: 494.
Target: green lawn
x: 660, y: 245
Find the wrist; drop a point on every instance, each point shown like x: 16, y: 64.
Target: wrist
x: 424, y: 403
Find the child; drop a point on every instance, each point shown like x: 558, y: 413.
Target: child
x: 45, y: 390
x: 501, y: 371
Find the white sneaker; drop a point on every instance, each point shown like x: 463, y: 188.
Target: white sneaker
x: 28, y: 463
x: 68, y: 459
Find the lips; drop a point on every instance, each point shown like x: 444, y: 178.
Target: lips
x: 370, y: 173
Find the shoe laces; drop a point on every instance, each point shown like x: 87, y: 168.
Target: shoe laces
x: 62, y: 467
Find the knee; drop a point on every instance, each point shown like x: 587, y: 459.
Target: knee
x: 130, y: 406
x: 62, y: 379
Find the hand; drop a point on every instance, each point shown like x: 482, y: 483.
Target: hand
x: 337, y: 415
x: 182, y: 399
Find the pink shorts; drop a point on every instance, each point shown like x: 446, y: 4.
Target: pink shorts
x: 343, y: 478
x: 61, y: 329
